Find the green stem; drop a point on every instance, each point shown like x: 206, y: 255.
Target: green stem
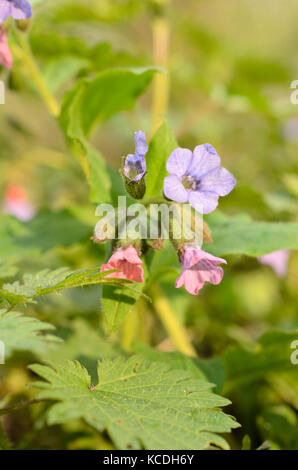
x: 171, y: 323
x: 161, y: 83
x: 36, y: 76
x: 129, y: 328
x: 19, y: 406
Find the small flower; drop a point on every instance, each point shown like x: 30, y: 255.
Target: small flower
x: 278, y: 260
x: 5, y: 54
x: 18, y: 9
x: 135, y: 165
x: 17, y: 204
x: 198, y: 267
x: 134, y: 169
x: 128, y: 262
x: 197, y: 178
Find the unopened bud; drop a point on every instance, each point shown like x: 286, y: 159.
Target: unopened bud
x: 23, y: 25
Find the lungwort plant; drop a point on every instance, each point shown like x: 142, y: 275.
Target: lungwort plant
x: 119, y: 322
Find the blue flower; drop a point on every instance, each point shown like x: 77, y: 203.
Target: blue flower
x: 18, y: 9
x: 135, y: 165
x: 196, y: 177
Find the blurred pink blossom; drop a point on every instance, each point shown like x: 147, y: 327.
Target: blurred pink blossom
x: 278, y: 260
x: 16, y: 203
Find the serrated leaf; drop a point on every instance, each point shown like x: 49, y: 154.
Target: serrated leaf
x: 138, y: 403
x: 46, y: 282
x: 20, y: 333
x: 241, y: 235
x: 208, y: 369
x: 160, y: 148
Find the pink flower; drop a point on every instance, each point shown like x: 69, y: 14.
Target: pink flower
x: 17, y: 204
x: 278, y: 260
x: 5, y: 54
x: 128, y: 262
x: 198, y: 267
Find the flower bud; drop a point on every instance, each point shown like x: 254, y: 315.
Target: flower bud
x: 23, y: 25
x: 134, y: 168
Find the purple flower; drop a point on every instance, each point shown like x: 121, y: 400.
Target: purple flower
x: 135, y: 165
x: 198, y: 267
x: 278, y: 260
x: 18, y: 9
x: 197, y: 178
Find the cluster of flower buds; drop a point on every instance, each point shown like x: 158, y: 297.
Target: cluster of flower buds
x: 19, y: 10
x: 194, y: 184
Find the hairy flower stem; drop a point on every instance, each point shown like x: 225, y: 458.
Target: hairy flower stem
x: 171, y: 323
x: 161, y: 83
x: 33, y: 69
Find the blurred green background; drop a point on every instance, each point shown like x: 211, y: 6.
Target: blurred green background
x: 230, y: 64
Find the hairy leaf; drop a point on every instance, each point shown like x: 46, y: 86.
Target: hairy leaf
x: 46, y: 282
x: 20, y: 333
x: 241, y: 235
x: 138, y: 403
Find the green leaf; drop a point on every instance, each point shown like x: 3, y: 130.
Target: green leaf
x: 46, y: 282
x: 19, y: 333
x: 92, y: 101
x: 270, y: 356
x: 160, y: 148
x: 82, y: 341
x: 241, y: 235
x: 139, y: 404
x: 46, y: 231
x: 117, y: 302
x: 208, y: 369
x: 108, y: 93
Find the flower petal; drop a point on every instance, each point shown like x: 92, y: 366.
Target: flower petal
x: 5, y: 55
x: 174, y: 189
x: 198, y: 267
x: 220, y: 181
x: 205, y: 159
x: 278, y: 260
x: 191, y: 282
x: 208, y: 272
x: 5, y: 10
x: 179, y: 161
x: 140, y: 143
x: 134, y: 167
x: 203, y: 201
x: 128, y: 262
x: 21, y: 9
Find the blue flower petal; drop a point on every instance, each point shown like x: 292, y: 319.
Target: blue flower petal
x: 205, y: 159
x: 203, y: 202
x: 221, y: 181
x: 174, y: 189
x: 140, y: 143
x: 179, y: 161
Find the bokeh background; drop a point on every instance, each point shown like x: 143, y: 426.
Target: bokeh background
x: 231, y: 65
